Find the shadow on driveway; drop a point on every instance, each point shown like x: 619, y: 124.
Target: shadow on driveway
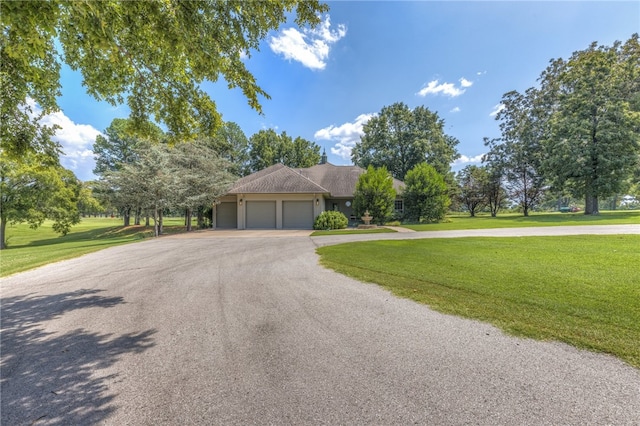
x: 51, y: 378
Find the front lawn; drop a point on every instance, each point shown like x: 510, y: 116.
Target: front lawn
x: 29, y: 248
x: 514, y: 220
x: 582, y: 290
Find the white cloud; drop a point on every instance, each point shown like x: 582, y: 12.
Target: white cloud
x: 456, y: 109
x: 310, y: 47
x: 463, y: 160
x: 465, y: 83
x: 345, y: 136
x: 496, y: 110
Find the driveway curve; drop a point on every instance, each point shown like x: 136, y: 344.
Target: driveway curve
x: 214, y: 329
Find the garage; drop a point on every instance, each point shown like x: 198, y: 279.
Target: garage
x: 227, y: 215
x: 297, y: 214
x: 261, y: 214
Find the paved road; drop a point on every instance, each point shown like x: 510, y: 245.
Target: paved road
x: 222, y: 330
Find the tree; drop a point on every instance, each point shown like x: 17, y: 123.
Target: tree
x: 594, y: 129
x: 518, y: 153
x: 375, y: 193
x: 399, y: 138
x: 120, y: 146
x: 200, y: 175
x: 496, y: 194
x: 473, y: 182
x: 154, y: 53
x: 425, y: 195
x: 268, y: 148
x: 232, y: 145
x: 34, y: 188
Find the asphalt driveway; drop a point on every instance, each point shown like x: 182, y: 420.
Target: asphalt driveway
x: 249, y: 329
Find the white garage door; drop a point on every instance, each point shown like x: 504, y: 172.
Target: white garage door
x: 297, y: 214
x: 261, y: 214
x: 227, y: 215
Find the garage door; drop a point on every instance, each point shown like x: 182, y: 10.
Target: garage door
x: 297, y: 214
x: 261, y: 214
x: 227, y: 215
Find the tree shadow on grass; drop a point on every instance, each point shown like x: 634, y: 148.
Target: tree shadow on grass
x: 53, y: 378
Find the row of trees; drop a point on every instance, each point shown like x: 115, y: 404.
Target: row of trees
x: 578, y: 133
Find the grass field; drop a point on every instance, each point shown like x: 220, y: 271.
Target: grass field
x: 30, y: 248
x: 515, y: 220
x: 582, y: 290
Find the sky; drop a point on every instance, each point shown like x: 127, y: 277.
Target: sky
x: 456, y: 58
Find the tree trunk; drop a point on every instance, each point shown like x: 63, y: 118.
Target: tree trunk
x: 136, y: 221
x: 156, y: 222
x: 146, y: 221
x: 126, y: 215
x: 3, y: 230
x: 188, y: 219
x: 591, y: 205
x: 200, y: 215
x: 160, y: 222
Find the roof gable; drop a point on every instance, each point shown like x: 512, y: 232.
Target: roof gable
x: 276, y: 179
x: 337, y: 181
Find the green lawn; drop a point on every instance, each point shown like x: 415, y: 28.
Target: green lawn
x: 380, y: 230
x: 30, y: 248
x: 513, y: 220
x: 582, y: 290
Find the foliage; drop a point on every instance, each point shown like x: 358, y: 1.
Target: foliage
x: 473, y: 182
x: 34, y: 188
x: 399, y: 138
x: 118, y: 146
x: 232, y: 145
x: 154, y: 53
x: 330, y: 219
x: 538, y: 287
x: 268, y: 148
x: 375, y: 193
x: 594, y: 131
x: 518, y: 153
x: 425, y: 195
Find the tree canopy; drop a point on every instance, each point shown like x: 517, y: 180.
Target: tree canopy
x: 425, y: 196
x: 154, y: 54
x: 268, y: 148
x: 399, y: 138
x: 35, y: 188
x: 375, y: 193
x: 593, y: 135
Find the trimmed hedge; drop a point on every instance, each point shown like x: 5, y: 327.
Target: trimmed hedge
x: 330, y: 219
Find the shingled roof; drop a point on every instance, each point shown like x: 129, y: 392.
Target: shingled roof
x: 335, y: 181
x: 276, y: 179
x: 339, y: 180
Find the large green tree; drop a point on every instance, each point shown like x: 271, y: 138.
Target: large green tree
x: 232, y: 144
x: 426, y: 197
x: 34, y: 188
x: 375, y: 193
x: 154, y: 53
x: 268, y: 148
x: 594, y: 131
x: 201, y: 176
x: 519, y: 152
x: 400, y: 138
x: 120, y: 146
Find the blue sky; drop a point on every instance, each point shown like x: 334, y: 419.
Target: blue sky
x: 455, y: 58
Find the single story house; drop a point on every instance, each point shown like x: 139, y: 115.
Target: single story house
x: 280, y: 197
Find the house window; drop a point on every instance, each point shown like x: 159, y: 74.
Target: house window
x: 399, y: 207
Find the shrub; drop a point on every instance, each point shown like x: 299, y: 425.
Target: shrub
x: 330, y: 220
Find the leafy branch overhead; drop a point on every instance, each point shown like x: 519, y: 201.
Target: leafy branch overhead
x: 154, y: 53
